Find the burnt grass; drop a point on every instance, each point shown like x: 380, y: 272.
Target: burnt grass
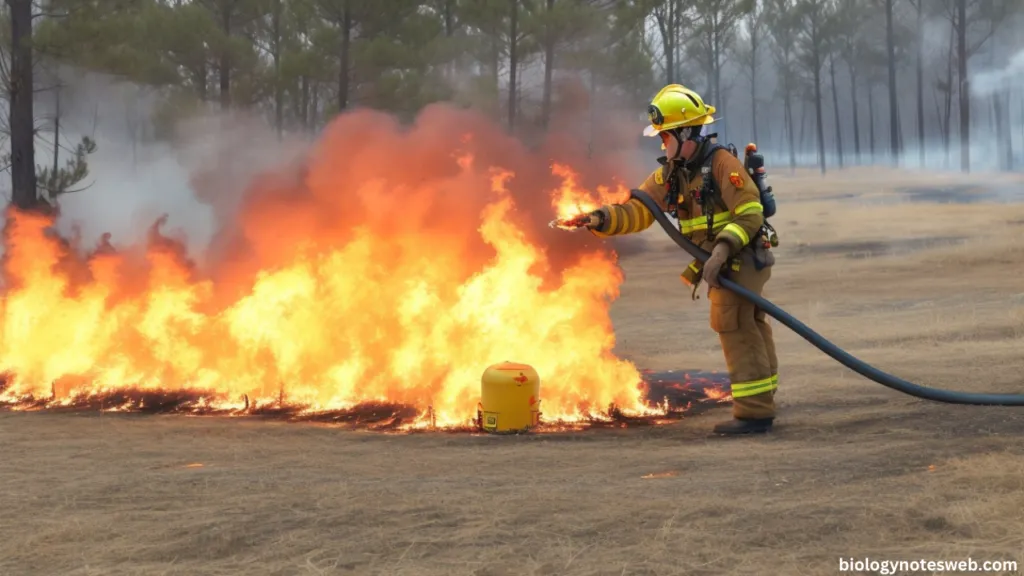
x: 683, y: 393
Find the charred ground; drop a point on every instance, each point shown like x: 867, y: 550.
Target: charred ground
x: 852, y: 470
x: 670, y: 394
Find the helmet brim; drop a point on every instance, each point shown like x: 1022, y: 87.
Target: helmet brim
x: 652, y: 132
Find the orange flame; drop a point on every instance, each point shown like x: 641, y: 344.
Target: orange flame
x: 368, y: 278
x: 717, y: 394
x: 571, y: 199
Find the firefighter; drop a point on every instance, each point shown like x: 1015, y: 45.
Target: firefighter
x: 680, y: 118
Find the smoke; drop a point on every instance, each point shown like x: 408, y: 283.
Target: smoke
x: 204, y: 179
x: 195, y: 173
x: 1010, y: 77
x: 124, y: 197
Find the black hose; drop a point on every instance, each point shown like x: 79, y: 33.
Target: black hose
x: 840, y: 355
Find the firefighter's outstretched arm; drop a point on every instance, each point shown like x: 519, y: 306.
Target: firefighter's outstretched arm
x: 629, y: 217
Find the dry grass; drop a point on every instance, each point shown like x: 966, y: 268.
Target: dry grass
x: 852, y: 470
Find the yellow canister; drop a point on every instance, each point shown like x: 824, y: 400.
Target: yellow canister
x: 509, y: 398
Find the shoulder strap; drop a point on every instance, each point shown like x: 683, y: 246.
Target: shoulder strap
x: 709, y: 182
x: 671, y: 182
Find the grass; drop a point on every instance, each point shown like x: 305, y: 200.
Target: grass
x: 852, y: 470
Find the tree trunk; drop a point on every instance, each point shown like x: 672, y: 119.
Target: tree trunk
x: 21, y: 114
x: 513, y: 63
x: 225, y: 61
x: 899, y: 129
x: 920, y: 80
x: 278, y: 85
x: 717, y: 67
x: 753, y: 79
x: 998, y: 128
x: 1006, y: 112
x: 819, y: 123
x: 778, y: 139
x: 856, y: 120
x: 669, y: 43
x: 835, y: 107
x: 789, y: 128
x: 314, y: 104
x: 943, y: 127
x: 344, y: 56
x: 947, y: 135
x: 304, y: 102
x: 890, y: 42
x: 592, y: 121
x: 965, y: 95
x: 753, y: 112
x: 549, y: 66
x: 56, y: 129
x: 993, y: 126
x: 201, y: 77
x: 803, y: 128
x: 448, y: 17
x: 871, y: 122
x: 1021, y: 97
x: 496, y: 68
x: 677, y: 10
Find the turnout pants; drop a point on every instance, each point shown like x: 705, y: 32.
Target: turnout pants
x: 747, y: 341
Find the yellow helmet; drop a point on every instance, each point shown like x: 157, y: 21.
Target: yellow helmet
x: 676, y: 106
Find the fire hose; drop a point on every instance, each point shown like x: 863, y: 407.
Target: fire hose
x: 819, y: 342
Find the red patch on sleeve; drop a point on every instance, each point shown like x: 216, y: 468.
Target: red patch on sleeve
x: 736, y: 179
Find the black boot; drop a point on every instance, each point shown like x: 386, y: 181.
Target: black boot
x: 738, y: 426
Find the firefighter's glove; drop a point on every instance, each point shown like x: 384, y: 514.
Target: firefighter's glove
x: 713, y: 266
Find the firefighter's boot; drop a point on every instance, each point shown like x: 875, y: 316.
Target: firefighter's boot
x: 739, y: 426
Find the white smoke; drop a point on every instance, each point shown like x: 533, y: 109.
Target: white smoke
x: 1009, y: 77
x: 196, y: 178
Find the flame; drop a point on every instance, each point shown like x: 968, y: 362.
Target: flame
x: 571, y: 200
x: 666, y: 474
x: 364, y: 279
x: 717, y: 394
